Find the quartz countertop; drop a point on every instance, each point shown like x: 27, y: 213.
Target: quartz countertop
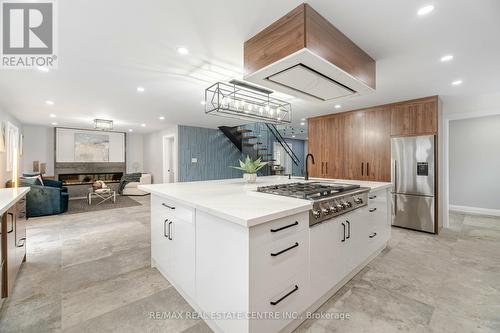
x: 236, y: 201
x: 9, y: 196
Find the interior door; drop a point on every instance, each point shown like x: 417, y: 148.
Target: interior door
x: 377, y: 150
x: 354, y: 143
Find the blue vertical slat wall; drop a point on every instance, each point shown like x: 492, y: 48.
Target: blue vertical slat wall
x: 213, y: 150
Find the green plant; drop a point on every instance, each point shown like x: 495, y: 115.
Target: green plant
x: 250, y: 166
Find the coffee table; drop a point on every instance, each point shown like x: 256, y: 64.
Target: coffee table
x: 103, y: 196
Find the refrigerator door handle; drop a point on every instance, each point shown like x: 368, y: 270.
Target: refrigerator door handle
x: 395, y: 176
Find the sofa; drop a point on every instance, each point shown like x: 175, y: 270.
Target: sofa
x: 46, y: 197
x: 131, y: 188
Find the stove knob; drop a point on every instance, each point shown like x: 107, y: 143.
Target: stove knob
x: 340, y: 207
x: 348, y: 204
x: 316, y: 214
x: 358, y: 201
x: 325, y: 211
x: 333, y: 209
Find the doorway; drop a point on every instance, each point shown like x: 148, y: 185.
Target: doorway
x: 168, y: 158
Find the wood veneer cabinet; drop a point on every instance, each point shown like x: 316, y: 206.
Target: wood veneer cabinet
x: 416, y: 117
x: 357, y: 144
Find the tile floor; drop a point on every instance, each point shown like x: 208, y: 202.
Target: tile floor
x: 90, y: 273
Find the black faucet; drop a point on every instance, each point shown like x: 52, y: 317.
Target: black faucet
x: 306, y: 176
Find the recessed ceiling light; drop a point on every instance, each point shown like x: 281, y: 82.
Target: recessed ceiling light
x: 130, y: 130
x: 52, y: 115
x: 140, y: 89
x: 293, y: 136
x: 338, y: 106
x: 203, y: 102
x: 447, y: 57
x: 456, y: 82
x: 49, y: 102
x: 143, y: 125
x: 54, y: 124
x: 425, y: 10
x: 161, y: 118
x: 302, y: 124
x: 43, y: 69
x: 303, y: 119
x: 182, y: 50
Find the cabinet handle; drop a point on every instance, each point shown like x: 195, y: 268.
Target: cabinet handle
x: 343, y: 239
x: 373, y: 235
x: 170, y: 230
x: 165, y: 205
x: 367, y: 168
x: 286, y: 227
x: 326, y: 165
x: 282, y: 298
x: 285, y: 250
x: 165, y: 228
x: 322, y: 165
x: 12, y: 223
x: 23, y: 240
x: 348, y: 229
x: 372, y: 210
x: 372, y: 197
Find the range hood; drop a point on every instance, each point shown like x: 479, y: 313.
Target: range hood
x: 304, y: 55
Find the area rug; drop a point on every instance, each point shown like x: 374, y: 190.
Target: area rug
x: 81, y: 205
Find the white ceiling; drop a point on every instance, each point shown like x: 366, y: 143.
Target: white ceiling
x: 108, y: 48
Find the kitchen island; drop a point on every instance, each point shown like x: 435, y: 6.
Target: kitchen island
x: 250, y: 261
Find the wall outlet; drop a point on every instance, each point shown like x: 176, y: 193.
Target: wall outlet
x: 194, y: 160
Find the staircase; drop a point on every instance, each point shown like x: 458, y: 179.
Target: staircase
x: 256, y: 140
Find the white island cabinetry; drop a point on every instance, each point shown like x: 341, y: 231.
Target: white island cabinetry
x: 249, y: 262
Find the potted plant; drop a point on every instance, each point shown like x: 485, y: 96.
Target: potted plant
x: 250, y: 168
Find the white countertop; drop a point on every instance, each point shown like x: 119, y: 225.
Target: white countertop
x: 9, y: 196
x: 238, y: 202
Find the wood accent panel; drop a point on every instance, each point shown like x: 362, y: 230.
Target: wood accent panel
x: 280, y: 39
x: 303, y: 27
x: 354, y: 142
x: 314, y: 147
x: 331, y: 44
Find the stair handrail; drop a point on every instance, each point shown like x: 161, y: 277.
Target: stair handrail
x: 272, y: 128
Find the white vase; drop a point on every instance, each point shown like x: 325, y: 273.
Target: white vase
x: 250, y: 177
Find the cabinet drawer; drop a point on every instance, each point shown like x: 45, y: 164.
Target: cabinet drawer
x: 276, y: 262
x: 279, y: 229
x: 172, y: 209
x: 290, y: 298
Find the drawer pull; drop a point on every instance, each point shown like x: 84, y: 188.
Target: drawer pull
x: 165, y: 205
x: 372, y: 197
x: 286, y: 227
x: 285, y: 250
x: 282, y: 298
x: 23, y: 240
x: 373, y: 235
x: 372, y: 210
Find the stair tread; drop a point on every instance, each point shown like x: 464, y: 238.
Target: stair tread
x: 244, y: 131
x: 248, y: 137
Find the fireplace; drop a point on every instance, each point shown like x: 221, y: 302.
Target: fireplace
x: 89, y: 178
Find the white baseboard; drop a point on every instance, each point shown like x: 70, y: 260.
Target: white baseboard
x: 475, y: 210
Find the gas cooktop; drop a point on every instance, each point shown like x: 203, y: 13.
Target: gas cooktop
x: 329, y: 199
x: 309, y: 191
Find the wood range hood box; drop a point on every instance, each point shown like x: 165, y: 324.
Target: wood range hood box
x: 304, y: 55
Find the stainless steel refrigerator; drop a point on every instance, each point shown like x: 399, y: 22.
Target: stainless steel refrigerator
x: 413, y: 180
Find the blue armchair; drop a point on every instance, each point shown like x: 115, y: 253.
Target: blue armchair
x: 47, y: 199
